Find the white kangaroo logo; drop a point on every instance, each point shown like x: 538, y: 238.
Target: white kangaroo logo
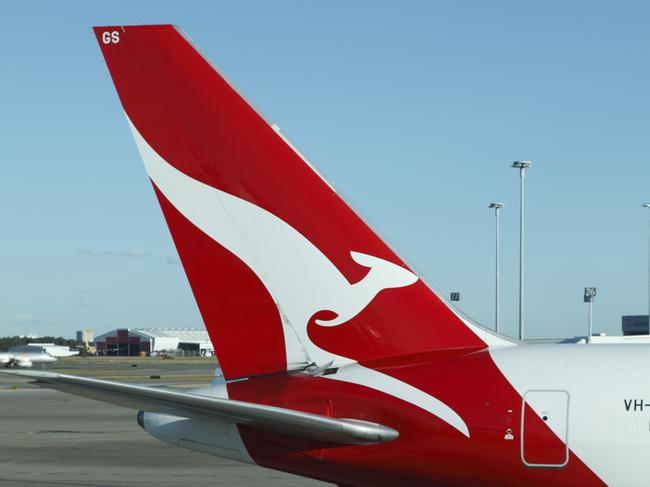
x: 299, y: 277
x: 382, y: 275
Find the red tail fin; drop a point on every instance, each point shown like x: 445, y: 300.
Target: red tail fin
x: 283, y: 271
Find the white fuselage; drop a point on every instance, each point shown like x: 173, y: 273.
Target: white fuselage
x: 608, y: 422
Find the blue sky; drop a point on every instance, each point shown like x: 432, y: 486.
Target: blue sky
x: 413, y: 109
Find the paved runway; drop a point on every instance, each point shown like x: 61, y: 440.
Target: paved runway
x: 50, y: 438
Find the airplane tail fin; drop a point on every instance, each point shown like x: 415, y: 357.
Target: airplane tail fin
x: 285, y: 274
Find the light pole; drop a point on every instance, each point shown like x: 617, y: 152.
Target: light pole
x: 590, y: 319
x: 497, y: 207
x: 647, y: 205
x: 590, y: 294
x: 521, y: 165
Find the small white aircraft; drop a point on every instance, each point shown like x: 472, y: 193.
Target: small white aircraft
x: 25, y: 357
x: 55, y: 350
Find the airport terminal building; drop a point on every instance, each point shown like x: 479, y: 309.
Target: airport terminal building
x: 151, y: 341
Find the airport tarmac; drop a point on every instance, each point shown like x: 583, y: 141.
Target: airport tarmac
x: 51, y: 438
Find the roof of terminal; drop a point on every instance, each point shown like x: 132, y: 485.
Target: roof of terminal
x: 186, y: 335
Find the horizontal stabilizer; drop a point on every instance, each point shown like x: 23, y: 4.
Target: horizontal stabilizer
x: 288, y: 421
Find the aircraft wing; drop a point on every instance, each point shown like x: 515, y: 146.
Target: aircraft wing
x: 288, y: 421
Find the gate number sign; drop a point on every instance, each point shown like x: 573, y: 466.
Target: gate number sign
x: 590, y: 294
